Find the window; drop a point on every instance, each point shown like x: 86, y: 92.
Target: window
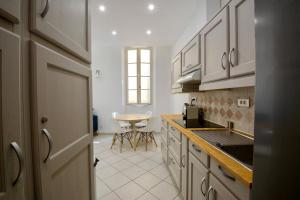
x: 138, y: 75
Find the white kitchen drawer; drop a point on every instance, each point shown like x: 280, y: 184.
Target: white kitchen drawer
x: 175, y: 132
x: 197, y: 151
x: 236, y: 186
x: 164, y: 150
x: 164, y: 133
x: 174, y: 146
x: 174, y: 169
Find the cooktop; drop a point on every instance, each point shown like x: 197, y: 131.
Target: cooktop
x: 196, y: 124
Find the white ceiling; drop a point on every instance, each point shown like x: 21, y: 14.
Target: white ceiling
x: 131, y: 19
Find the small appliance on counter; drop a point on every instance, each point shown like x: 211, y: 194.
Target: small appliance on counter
x: 193, y: 117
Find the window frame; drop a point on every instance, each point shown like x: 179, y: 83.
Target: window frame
x: 138, y: 74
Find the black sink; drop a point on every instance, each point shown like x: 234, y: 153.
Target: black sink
x: 235, y: 145
x: 243, y: 153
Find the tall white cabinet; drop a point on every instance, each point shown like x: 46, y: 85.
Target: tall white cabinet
x: 11, y: 135
x: 46, y: 137
x: 215, y: 48
x: 64, y: 23
x: 242, y: 38
x: 10, y: 10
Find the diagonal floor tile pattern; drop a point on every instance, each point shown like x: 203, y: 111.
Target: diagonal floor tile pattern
x: 131, y: 175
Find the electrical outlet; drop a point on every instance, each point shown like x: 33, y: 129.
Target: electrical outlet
x: 244, y: 103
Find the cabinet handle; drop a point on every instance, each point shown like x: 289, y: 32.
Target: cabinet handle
x: 46, y: 9
x: 183, y: 161
x: 19, y: 154
x: 230, y: 57
x: 50, y: 142
x: 222, y: 58
x: 201, y: 187
x: 196, y: 149
x: 211, y: 189
x: 226, y: 174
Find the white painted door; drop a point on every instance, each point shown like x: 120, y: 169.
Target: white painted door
x: 215, y: 46
x: 176, y: 71
x: 191, y: 55
x: 65, y: 23
x: 11, y: 148
x: 242, y: 37
x: 10, y: 9
x: 62, y: 136
x: 198, y: 179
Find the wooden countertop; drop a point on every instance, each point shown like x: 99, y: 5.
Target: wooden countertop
x: 241, y: 172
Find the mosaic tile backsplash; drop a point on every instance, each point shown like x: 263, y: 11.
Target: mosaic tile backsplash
x: 221, y: 106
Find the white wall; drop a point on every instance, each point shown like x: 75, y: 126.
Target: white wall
x: 108, y: 90
x: 198, y: 21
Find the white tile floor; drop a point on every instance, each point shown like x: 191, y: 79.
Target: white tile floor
x: 131, y: 174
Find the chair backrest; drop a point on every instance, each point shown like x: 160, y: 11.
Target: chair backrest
x: 115, y: 123
x: 150, y: 124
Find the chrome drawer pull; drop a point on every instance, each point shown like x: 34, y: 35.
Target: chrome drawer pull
x: 196, y: 149
x: 50, y: 142
x: 230, y: 57
x: 201, y: 187
x: 211, y: 189
x: 222, y: 58
x: 46, y: 9
x: 183, y: 161
x: 226, y: 174
x: 19, y: 154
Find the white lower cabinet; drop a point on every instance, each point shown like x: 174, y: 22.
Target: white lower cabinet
x: 62, y: 128
x: 11, y: 135
x: 197, y: 175
x: 198, y: 179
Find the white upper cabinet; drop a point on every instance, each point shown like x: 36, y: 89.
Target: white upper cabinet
x: 176, y: 71
x: 214, y: 48
x: 191, y: 56
x: 64, y: 23
x: 242, y: 37
x: 10, y: 9
x: 11, y: 148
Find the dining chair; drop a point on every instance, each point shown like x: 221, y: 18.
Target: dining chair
x: 120, y: 133
x: 144, y: 122
x: 146, y: 133
x: 122, y: 123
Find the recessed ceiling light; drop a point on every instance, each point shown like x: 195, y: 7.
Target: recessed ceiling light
x: 149, y: 32
x: 102, y: 8
x: 114, y: 33
x: 151, y: 7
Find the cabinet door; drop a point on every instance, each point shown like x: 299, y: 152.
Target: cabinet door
x: 176, y: 71
x: 191, y: 56
x: 242, y: 37
x: 62, y: 135
x: 10, y: 9
x: 217, y: 191
x: 214, y: 43
x: 184, y: 168
x: 65, y: 23
x: 198, y: 179
x: 11, y: 148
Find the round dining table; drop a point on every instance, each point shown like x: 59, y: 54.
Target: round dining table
x: 132, y: 119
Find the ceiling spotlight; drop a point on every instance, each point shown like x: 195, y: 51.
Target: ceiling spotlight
x: 151, y: 7
x: 102, y: 8
x: 149, y: 32
x: 114, y: 32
